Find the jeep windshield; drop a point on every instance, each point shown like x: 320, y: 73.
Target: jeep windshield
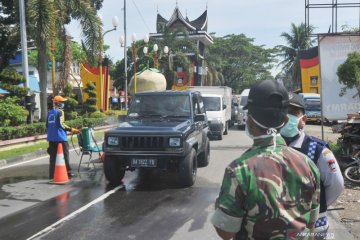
x: 164, y: 106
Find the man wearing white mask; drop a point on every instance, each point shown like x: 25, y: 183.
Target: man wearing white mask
x: 332, y: 182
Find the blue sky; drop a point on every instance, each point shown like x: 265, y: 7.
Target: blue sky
x: 263, y: 20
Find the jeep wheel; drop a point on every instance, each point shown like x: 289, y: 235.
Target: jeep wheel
x: 188, y: 169
x: 204, y: 157
x: 113, y: 172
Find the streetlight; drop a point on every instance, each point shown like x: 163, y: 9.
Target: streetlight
x: 155, y: 50
x: 166, y: 51
x: 122, y: 41
x: 115, y: 23
x: 133, y: 39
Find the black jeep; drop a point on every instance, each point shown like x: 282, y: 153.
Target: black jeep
x: 167, y: 130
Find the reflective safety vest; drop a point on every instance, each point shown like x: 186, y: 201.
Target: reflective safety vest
x: 313, y: 147
x: 55, y: 130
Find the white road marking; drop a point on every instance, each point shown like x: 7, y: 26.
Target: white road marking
x: 74, y: 214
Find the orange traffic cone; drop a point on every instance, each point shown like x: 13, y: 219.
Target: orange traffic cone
x: 60, y: 174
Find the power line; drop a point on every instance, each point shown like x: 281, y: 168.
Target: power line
x: 141, y: 15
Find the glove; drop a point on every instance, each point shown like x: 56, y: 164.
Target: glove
x: 75, y: 131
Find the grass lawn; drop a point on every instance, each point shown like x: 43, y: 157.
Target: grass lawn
x: 38, y: 145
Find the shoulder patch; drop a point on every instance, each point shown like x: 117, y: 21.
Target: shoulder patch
x: 332, y: 164
x: 326, y: 152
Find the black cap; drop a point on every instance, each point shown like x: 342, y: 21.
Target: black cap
x: 268, y: 103
x: 296, y: 100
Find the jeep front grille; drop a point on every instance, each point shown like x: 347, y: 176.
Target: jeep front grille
x: 142, y: 143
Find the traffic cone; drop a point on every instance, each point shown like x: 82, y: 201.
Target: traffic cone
x: 60, y: 174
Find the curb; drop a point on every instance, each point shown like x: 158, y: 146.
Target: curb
x: 10, y: 142
x: 24, y: 157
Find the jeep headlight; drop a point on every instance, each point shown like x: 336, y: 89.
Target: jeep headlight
x: 113, y: 141
x: 174, y: 142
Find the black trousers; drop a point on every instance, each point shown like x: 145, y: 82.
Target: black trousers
x: 52, y: 150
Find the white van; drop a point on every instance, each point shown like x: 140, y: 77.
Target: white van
x: 217, y: 101
x: 242, y: 113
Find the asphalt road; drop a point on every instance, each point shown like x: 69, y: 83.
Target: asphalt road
x: 145, y: 207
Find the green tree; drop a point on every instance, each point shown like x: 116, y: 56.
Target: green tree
x: 349, y: 73
x: 11, y: 113
x: 297, y: 39
x: 11, y: 81
x: 71, y: 103
x: 90, y: 103
x: 234, y: 61
x: 9, y: 32
x: 46, y: 20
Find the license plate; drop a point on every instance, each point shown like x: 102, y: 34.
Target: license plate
x: 137, y: 162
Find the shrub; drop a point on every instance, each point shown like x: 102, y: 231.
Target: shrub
x: 90, y: 103
x: 28, y: 130
x: 71, y: 103
x: 11, y: 114
x: 97, y: 114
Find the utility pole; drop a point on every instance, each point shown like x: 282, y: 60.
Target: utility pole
x: 125, y: 59
x: 25, y: 65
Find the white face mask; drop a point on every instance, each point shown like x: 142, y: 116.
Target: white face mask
x: 291, y: 128
x: 269, y: 131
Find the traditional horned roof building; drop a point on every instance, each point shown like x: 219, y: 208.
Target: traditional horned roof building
x: 197, y: 32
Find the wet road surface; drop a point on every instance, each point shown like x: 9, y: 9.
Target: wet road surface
x: 146, y: 206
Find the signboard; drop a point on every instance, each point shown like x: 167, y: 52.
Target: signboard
x: 333, y: 51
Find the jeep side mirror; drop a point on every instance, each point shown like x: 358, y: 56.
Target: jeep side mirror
x: 199, y: 117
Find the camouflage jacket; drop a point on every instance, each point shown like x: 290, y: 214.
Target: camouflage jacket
x: 269, y: 193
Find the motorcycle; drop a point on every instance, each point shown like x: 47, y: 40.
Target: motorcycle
x: 352, y: 170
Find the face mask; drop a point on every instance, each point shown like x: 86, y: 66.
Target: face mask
x: 291, y: 128
x: 61, y: 105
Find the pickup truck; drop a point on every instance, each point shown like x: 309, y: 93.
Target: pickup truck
x: 165, y: 130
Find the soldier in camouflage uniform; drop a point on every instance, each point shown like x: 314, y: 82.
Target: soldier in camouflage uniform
x: 271, y: 191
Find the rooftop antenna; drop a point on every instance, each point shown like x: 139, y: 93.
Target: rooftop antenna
x: 176, y: 4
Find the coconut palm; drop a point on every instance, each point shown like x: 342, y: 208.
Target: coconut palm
x: 47, y: 19
x: 298, y: 39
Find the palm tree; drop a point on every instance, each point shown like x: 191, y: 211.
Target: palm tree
x: 47, y: 19
x: 298, y: 39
